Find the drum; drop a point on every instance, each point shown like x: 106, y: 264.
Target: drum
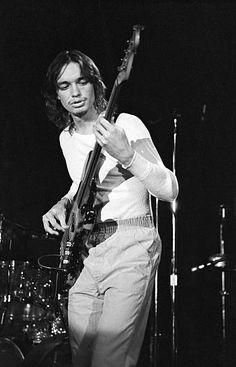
x: 24, y: 311
x: 63, y: 302
x: 10, y: 353
x: 24, y: 281
x: 23, y: 307
x: 32, y: 312
x: 43, y: 288
x: 49, y: 353
x: 23, y: 276
x: 21, y: 320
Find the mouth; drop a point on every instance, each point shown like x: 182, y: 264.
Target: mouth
x: 77, y: 103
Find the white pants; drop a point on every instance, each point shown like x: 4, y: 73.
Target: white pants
x: 110, y: 301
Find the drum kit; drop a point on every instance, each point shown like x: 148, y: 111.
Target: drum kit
x: 33, y: 307
x: 33, y: 312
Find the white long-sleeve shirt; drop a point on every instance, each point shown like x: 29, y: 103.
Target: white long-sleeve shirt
x: 121, y: 193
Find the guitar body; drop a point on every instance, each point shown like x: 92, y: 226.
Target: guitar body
x: 74, y: 243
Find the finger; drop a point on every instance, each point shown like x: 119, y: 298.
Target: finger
x: 51, y: 225
x: 47, y: 226
x: 106, y: 124
x: 50, y: 218
x: 102, y: 135
x: 102, y: 114
x: 100, y: 139
x: 62, y: 220
x: 100, y: 129
x: 52, y: 231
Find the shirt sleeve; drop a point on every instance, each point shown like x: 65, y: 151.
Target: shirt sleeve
x: 158, y: 180
x: 147, y: 164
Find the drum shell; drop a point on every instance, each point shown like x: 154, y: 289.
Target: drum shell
x: 24, y: 311
x: 24, y: 281
x: 10, y: 353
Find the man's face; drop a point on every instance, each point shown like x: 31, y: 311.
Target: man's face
x: 74, y: 91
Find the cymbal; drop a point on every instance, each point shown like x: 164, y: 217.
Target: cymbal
x: 33, y: 232
x: 217, y: 261
x: 224, y: 262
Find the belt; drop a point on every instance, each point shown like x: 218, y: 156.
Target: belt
x: 123, y: 224
x: 104, y: 230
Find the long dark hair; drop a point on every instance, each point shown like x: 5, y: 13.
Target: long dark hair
x: 55, y: 111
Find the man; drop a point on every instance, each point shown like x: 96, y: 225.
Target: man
x: 110, y: 301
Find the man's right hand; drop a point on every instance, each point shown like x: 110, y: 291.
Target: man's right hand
x: 55, y: 219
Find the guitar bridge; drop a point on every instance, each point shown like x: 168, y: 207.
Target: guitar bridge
x: 67, y: 254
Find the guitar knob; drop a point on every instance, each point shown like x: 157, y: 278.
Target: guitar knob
x: 90, y: 216
x: 83, y: 209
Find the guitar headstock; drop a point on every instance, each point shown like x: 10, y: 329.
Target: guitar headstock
x: 133, y: 43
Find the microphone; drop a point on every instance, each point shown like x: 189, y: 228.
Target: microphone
x: 212, y: 262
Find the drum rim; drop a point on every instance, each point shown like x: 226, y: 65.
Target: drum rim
x: 9, y: 341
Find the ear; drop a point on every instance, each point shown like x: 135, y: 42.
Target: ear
x: 58, y: 97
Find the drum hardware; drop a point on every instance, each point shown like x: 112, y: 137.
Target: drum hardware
x: 50, y: 262
x: 50, y: 352
x: 224, y: 263
x: 56, y: 316
x: 57, y: 313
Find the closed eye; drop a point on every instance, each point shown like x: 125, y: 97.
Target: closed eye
x: 63, y: 86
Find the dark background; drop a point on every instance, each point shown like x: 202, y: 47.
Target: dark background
x: 186, y: 63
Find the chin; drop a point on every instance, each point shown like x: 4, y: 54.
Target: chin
x: 79, y: 111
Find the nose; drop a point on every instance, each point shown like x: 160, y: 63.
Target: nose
x: 75, y: 89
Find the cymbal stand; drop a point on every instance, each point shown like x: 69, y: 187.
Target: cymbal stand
x: 173, y: 275
x: 223, y: 291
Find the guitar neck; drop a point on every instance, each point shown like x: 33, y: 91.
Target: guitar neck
x: 123, y: 75
x: 93, y: 160
x: 112, y: 100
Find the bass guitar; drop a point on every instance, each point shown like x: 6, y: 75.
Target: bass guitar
x: 82, y: 215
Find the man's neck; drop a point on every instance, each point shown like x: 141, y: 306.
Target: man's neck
x: 85, y: 125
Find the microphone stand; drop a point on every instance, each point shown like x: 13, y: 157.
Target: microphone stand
x: 173, y: 275
x: 153, y: 357
x: 223, y: 291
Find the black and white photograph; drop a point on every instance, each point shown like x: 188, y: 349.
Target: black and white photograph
x: 117, y: 183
